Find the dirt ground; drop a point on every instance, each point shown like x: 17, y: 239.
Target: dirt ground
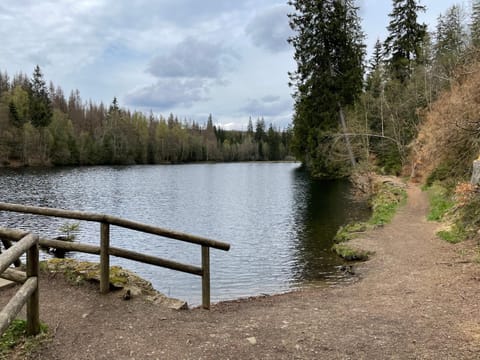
x: 417, y: 298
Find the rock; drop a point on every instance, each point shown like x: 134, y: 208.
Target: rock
x: 171, y: 303
x: 252, y: 340
x: 127, y: 295
x: 475, y: 180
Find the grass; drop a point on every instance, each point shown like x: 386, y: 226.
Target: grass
x: 385, y: 204
x: 453, y: 236
x: 15, y: 338
x: 440, y: 202
x: 349, y: 253
x: 349, y: 231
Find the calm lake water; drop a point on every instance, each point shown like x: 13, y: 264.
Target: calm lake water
x: 279, y: 222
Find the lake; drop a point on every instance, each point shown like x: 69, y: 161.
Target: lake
x: 279, y: 222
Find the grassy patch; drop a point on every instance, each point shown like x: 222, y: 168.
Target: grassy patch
x: 440, y: 202
x: 349, y: 253
x: 385, y: 203
x: 384, y: 206
x: 454, y: 235
x: 350, y: 231
x: 15, y: 338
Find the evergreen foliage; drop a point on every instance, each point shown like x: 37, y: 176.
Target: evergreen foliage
x: 329, y: 52
x: 475, y: 24
x: 39, y: 126
x: 40, y: 105
x: 403, y: 45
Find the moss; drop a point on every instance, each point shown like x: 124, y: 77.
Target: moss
x: 15, y: 337
x: 349, y: 253
x: 81, y: 271
x: 350, y: 231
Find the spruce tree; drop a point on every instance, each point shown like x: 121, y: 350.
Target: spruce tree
x: 403, y: 46
x: 40, y: 105
x: 475, y: 25
x: 329, y: 52
x: 451, y: 41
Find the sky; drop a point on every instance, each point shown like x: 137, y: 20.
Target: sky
x: 192, y: 58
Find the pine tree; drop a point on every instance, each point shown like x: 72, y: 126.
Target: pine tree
x: 475, y: 25
x: 329, y: 53
x: 40, y: 105
x: 403, y: 46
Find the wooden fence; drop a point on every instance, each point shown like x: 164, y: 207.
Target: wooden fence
x: 105, y: 250
x: 28, y: 292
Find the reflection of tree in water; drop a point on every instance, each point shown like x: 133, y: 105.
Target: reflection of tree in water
x: 320, y: 208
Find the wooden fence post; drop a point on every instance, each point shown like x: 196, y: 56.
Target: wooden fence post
x: 104, y: 258
x: 205, y: 277
x: 33, y: 307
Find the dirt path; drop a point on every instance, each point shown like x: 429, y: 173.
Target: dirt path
x: 417, y: 298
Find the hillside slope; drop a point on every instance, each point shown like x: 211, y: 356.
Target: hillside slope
x: 449, y: 137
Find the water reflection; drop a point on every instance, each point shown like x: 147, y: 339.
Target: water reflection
x: 279, y: 221
x: 320, y: 208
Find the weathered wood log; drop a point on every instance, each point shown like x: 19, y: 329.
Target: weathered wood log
x: 114, y: 251
x: 12, y: 254
x: 206, y: 277
x: 112, y: 220
x: 10, y: 311
x: 104, y: 258
x: 8, y: 244
x: 14, y: 275
x: 153, y: 260
x: 33, y: 301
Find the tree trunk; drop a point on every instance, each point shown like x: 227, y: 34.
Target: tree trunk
x: 347, y: 139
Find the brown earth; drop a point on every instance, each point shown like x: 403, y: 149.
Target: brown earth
x: 417, y: 298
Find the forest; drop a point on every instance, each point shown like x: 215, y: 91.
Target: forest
x: 39, y: 126
x: 352, y: 113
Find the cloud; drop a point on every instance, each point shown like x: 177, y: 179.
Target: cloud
x: 270, y: 29
x: 269, y: 105
x: 193, y: 58
x: 185, y: 75
x: 169, y: 93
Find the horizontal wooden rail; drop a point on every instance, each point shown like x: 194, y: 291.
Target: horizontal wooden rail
x: 112, y: 220
x: 13, y: 253
x: 15, y: 235
x: 10, y: 311
x: 14, y: 275
x: 28, y: 293
x: 105, y: 250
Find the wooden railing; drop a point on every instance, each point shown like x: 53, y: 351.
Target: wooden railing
x: 28, y: 292
x: 105, y: 250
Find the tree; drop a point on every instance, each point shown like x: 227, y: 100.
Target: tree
x: 451, y: 41
x: 375, y: 75
x: 329, y: 52
x: 475, y: 25
x: 40, y: 105
x: 403, y: 46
